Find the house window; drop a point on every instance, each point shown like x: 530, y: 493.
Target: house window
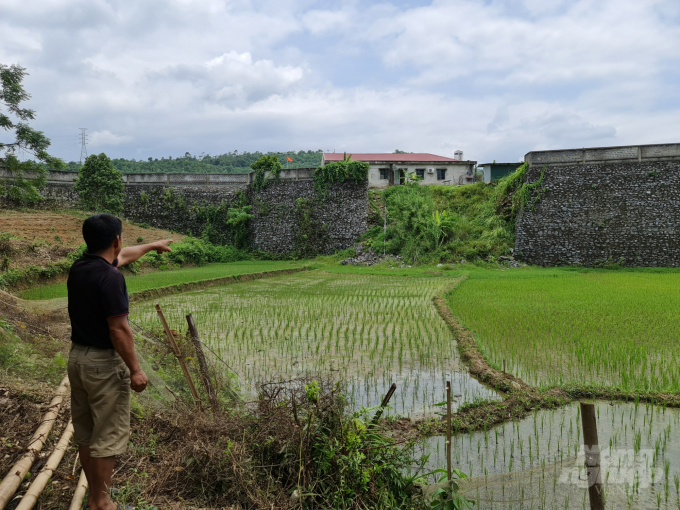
x: 420, y: 173
x: 441, y: 174
x: 384, y: 173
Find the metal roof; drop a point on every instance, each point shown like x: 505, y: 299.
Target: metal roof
x: 486, y: 164
x: 391, y: 157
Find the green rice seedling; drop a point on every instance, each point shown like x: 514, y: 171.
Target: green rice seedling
x: 587, y: 328
x: 359, y: 327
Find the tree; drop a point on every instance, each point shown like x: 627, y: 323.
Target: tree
x: 26, y: 140
x: 100, y: 185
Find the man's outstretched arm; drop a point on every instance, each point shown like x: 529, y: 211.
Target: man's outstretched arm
x: 123, y: 343
x: 133, y: 253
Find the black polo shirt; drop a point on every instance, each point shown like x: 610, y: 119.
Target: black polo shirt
x: 96, y: 292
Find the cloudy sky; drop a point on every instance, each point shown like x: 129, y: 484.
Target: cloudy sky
x: 493, y: 78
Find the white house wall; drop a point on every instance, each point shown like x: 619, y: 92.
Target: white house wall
x: 487, y: 173
x: 455, y: 174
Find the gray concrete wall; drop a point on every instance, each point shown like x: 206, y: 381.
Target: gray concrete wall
x: 609, y: 155
x: 623, y: 205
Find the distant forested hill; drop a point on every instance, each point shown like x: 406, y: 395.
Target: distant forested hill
x: 231, y: 162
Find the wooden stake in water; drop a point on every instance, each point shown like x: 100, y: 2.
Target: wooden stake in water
x: 178, y: 353
x: 448, y: 429
x: 592, y: 449
x: 384, y: 403
x: 201, y: 361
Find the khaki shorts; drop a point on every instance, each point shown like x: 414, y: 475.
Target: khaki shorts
x: 100, y: 400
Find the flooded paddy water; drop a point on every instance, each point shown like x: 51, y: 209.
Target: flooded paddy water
x: 538, y: 462
x: 368, y: 331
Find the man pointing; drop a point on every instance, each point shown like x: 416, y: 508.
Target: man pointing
x: 103, y: 365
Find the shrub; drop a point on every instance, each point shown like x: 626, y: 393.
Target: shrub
x: 299, y: 448
x: 193, y: 250
x: 237, y: 219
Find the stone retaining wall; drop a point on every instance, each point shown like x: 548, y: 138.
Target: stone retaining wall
x: 176, y: 202
x: 625, y: 209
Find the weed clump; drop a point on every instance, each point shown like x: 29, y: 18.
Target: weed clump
x: 295, y: 446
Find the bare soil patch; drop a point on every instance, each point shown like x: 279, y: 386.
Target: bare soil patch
x: 40, y: 238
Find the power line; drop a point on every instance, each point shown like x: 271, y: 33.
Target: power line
x: 83, y: 144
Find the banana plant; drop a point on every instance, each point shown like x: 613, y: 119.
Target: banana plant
x: 437, y: 227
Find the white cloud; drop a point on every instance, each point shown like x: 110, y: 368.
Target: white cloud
x: 328, y: 21
x: 236, y: 76
x: 495, y: 79
x: 589, y: 40
x: 106, y: 139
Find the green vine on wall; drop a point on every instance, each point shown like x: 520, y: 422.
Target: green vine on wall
x: 238, y: 217
x: 144, y: 200
x: 311, y: 236
x: 232, y: 217
x: 172, y: 200
x: 528, y: 193
x: 263, y: 165
x: 226, y: 223
x: 341, y: 171
x: 262, y: 207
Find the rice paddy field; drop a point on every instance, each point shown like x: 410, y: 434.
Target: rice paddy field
x: 370, y: 327
x: 157, y: 279
x: 366, y: 330
x: 554, y: 327
x: 539, y: 462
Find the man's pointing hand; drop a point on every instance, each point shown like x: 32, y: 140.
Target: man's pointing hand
x: 162, y: 246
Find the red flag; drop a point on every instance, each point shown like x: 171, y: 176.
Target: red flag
x: 289, y: 159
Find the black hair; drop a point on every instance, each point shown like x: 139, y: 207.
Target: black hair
x: 100, y: 230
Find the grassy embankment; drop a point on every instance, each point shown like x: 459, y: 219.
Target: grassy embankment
x: 159, y: 279
x: 427, y: 224
x: 38, y: 247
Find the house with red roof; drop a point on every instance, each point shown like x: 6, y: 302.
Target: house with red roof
x: 390, y: 169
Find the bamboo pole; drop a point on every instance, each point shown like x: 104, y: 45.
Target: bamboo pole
x: 592, y: 449
x: 201, y: 361
x: 15, y: 476
x: 79, y: 495
x: 40, y: 482
x: 448, y: 430
x: 178, y: 353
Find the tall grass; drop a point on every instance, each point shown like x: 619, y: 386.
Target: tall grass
x: 445, y: 223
